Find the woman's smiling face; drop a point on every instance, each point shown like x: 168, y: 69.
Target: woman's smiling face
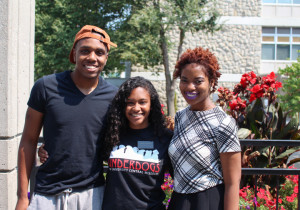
x: 138, y: 106
x: 195, y: 87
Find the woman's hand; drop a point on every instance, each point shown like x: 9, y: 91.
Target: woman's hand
x: 43, y: 154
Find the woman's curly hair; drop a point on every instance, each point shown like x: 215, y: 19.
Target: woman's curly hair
x: 202, y: 57
x: 116, y: 119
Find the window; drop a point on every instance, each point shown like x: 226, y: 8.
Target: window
x: 279, y: 43
x: 281, y: 1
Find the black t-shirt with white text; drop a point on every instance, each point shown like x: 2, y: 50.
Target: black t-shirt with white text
x: 136, y: 171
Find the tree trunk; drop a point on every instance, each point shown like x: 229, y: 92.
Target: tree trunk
x: 170, y: 92
x: 170, y: 84
x: 181, y: 38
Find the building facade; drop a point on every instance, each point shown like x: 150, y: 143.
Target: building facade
x: 256, y: 35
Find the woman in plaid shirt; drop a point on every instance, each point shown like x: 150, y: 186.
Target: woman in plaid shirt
x: 205, y: 150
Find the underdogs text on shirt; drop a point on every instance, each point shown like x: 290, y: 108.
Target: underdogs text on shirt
x: 133, y: 166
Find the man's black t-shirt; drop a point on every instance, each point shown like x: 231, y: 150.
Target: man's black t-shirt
x: 72, y: 126
x: 136, y: 171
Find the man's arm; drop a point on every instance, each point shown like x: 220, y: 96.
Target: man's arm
x: 26, y: 154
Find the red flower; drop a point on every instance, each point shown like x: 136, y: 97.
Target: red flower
x: 262, y: 194
x: 295, y: 179
x: 243, y: 194
x: 290, y: 198
x: 162, y: 111
x: 221, y: 89
x: 257, y: 92
x: 253, y: 76
x: 296, y: 189
x: 244, y: 82
x: 248, y: 78
x: 276, y: 85
x: 265, y: 87
x: 270, y: 81
x: 252, y: 98
x: 270, y: 203
x: 233, y: 104
x: 243, y: 104
x: 237, y: 104
x: 271, y: 76
x: 256, y: 89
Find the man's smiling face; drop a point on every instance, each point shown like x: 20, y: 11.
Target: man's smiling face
x: 90, y: 56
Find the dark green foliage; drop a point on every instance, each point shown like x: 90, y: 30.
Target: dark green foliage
x: 291, y: 87
x: 269, y: 122
x: 57, y: 22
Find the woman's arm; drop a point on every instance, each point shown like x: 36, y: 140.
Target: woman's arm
x: 231, y: 166
x: 43, y: 154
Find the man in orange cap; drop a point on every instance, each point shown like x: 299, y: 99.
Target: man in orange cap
x: 70, y: 107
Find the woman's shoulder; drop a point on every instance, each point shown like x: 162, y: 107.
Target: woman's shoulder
x: 226, y: 118
x: 167, y: 134
x: 183, y: 111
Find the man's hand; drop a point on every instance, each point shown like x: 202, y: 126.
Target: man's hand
x: 22, y: 204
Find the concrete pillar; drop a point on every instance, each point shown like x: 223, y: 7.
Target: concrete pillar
x: 16, y: 80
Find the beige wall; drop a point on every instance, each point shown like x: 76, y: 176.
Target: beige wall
x: 242, y: 8
x: 16, y: 80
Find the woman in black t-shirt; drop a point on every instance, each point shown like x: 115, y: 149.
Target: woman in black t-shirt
x: 136, y: 146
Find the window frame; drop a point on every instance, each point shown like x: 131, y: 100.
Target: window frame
x: 275, y: 43
x: 276, y: 2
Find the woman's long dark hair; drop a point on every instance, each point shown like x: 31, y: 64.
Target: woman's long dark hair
x: 117, y: 121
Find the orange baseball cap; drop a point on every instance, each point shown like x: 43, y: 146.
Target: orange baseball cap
x: 89, y: 31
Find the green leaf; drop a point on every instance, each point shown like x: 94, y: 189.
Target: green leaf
x: 255, y: 114
x: 287, y: 152
x: 262, y: 162
x: 290, y: 98
x: 243, y: 133
x: 296, y: 160
x: 255, y: 130
x: 280, y: 118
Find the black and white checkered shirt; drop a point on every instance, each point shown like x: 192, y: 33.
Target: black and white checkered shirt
x: 199, y: 138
